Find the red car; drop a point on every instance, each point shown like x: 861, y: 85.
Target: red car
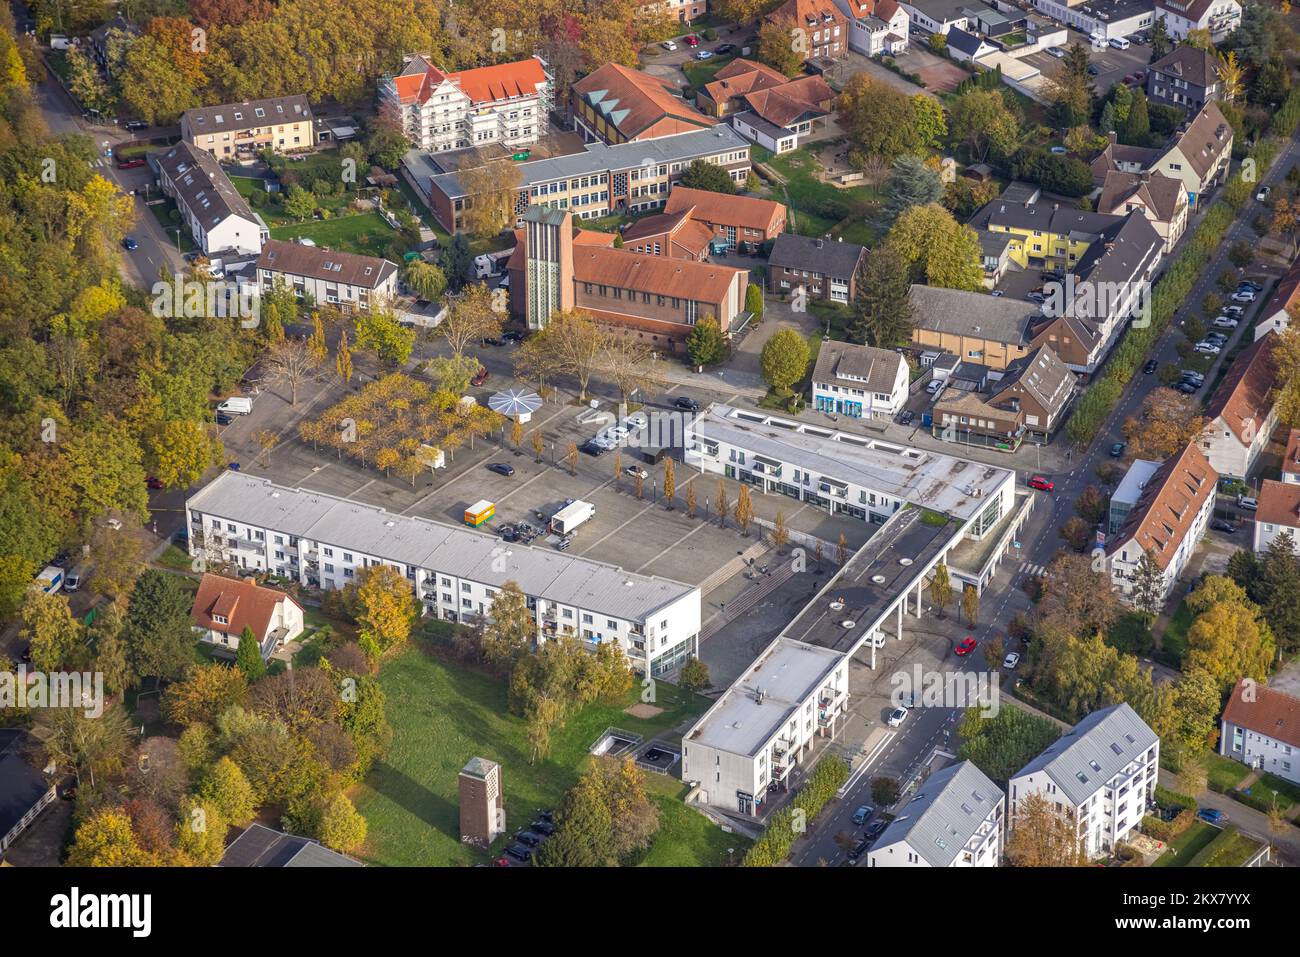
x: 130, y: 163
x: 1042, y: 484
x: 967, y: 646
x: 154, y: 483
x: 691, y: 41
x: 480, y: 377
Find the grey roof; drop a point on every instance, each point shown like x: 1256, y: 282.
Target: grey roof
x: 1123, y: 253
x: 967, y: 43
x: 261, y: 846
x: 448, y: 549
x: 21, y: 785
x: 1018, y: 191
x: 203, y: 186
x: 993, y: 244
x: 478, y: 767
x: 1192, y: 64
x: 230, y: 117
x: 1052, y: 218
x: 837, y: 260
x: 944, y: 814
x: 1096, y: 749
x: 961, y: 313
x: 944, y: 10
x: 1135, y: 480
x: 786, y: 674
x: 597, y: 158
x: 875, y: 370
x: 920, y: 477
x: 1043, y: 375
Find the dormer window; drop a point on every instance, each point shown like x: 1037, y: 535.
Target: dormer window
x: 221, y: 619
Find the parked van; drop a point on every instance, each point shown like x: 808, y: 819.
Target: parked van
x: 1119, y: 43
x: 72, y: 581
x: 237, y: 405
x: 50, y: 580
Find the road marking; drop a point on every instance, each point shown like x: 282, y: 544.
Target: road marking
x: 649, y: 505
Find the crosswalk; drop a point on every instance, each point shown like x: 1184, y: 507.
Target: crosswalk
x: 1032, y: 569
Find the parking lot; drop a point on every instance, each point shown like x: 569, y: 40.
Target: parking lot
x: 1112, y: 65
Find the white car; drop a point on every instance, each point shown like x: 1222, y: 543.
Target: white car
x: 115, y: 524
x: 1208, y: 348
x: 1011, y: 660
x: 637, y: 472
x: 704, y: 55
x: 1263, y: 193
x: 934, y: 386
x: 1243, y: 295
x: 669, y: 45
x: 897, y: 717
x: 1056, y: 52
x: 1249, y: 504
x: 1236, y: 312
x: 1119, y: 43
x: 1225, y: 322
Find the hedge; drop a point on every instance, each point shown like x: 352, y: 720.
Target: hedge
x: 772, y: 847
x: 1167, y: 831
x: 1209, y: 855
x: 1168, y: 798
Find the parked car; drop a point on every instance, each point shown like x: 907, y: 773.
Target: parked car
x: 1187, y: 388
x: 704, y: 55
x: 1041, y: 483
x: 669, y: 45
x: 1211, y: 815
x: 223, y: 419
x: 907, y: 417
x: 529, y: 838
x: 687, y: 403
x: 934, y: 386
x: 966, y: 646
x: 1119, y: 43
x: 519, y: 852
x: 480, y: 377
x: 563, y: 543
x: 501, y: 468
x: 544, y: 828
x: 1011, y: 660
x: 1092, y: 69
x: 1223, y: 525
x: 134, y: 162
x: 1236, y: 312
x: 636, y: 472
x: 1056, y: 52
x: 874, y: 829
x: 1244, y: 295
x: 1191, y: 375
x: 861, y: 814
x: 1059, y: 150
x: 1263, y: 193
x: 1117, y: 450
x: 897, y: 717
x: 1246, y: 502
x: 725, y: 48
x: 1038, y: 297
x: 135, y: 126
x: 154, y: 483
x: 1150, y: 366
x: 129, y: 244
x: 1208, y: 348
x: 593, y: 448
x: 233, y: 466
x: 512, y: 337
x: 691, y: 40
x: 1225, y: 322
x: 1251, y: 285
x: 858, y: 849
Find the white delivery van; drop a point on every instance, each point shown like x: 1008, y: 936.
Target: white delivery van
x: 237, y: 405
x: 50, y: 580
x: 571, y: 516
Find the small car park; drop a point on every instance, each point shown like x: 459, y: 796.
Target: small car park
x: 501, y: 468
x: 1225, y: 322
x: 1244, y: 295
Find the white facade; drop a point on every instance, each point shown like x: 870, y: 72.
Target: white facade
x: 1220, y: 17
x: 1229, y: 453
x: 1125, y: 559
x: 956, y: 818
x: 849, y: 399
x: 1260, y: 751
x: 322, y: 541
x: 1101, y: 775
x: 871, y: 35
x: 936, y: 19
x: 764, y: 725
x: 1259, y: 729
x: 767, y: 135
x: 1084, y: 17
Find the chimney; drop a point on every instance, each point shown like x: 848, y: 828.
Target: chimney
x: 1146, y: 176
x: 1114, y: 139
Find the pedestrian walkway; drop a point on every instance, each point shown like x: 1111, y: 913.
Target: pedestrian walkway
x: 747, y: 599
x: 1032, y: 569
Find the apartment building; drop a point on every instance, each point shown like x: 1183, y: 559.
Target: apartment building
x: 1199, y: 154
x: 740, y: 753
x: 1291, y: 458
x: 1261, y: 729
x: 1186, y: 77
x: 956, y: 818
x: 1241, y: 414
x: 1105, y: 18
x: 348, y: 281
x: 876, y: 27
x: 281, y: 124
x: 1161, y: 199
x: 655, y: 298
x: 322, y: 541
x: 1167, y: 522
x: 1278, y: 512
x: 859, y: 381
x: 818, y: 25
x: 1181, y: 17
x: 1101, y: 775
x: 505, y: 104
x: 628, y: 178
x: 1275, y: 315
x: 224, y: 607
x: 218, y: 218
x: 820, y: 268
x: 615, y: 104
x: 1127, y: 494
x: 1025, y: 401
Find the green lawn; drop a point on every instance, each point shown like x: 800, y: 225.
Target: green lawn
x: 687, y: 838
x: 442, y: 715
x: 1270, y: 791
x: 1174, y: 642
x: 819, y: 207
x: 1187, y: 845
x: 162, y: 212
x: 1223, y: 774
x: 701, y: 72
x: 365, y: 233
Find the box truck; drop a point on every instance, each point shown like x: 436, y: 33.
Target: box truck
x: 571, y: 516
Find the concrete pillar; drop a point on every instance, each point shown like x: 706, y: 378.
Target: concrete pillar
x: 901, y: 603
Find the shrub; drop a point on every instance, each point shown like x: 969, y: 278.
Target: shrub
x: 775, y: 842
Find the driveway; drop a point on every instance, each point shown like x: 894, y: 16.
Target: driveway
x: 857, y: 63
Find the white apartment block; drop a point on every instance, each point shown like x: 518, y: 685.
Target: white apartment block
x: 1101, y: 775
x: 505, y: 104
x: 219, y: 219
x: 956, y: 818
x: 1181, y: 17
x: 1261, y: 729
x: 323, y: 541
x: 744, y: 747
x: 1241, y: 414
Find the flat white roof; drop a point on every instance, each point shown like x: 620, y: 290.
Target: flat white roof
x: 957, y: 487
x: 1137, y: 476
x: 786, y: 676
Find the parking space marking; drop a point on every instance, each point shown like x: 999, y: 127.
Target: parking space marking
x: 612, y: 532
x: 669, y: 548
